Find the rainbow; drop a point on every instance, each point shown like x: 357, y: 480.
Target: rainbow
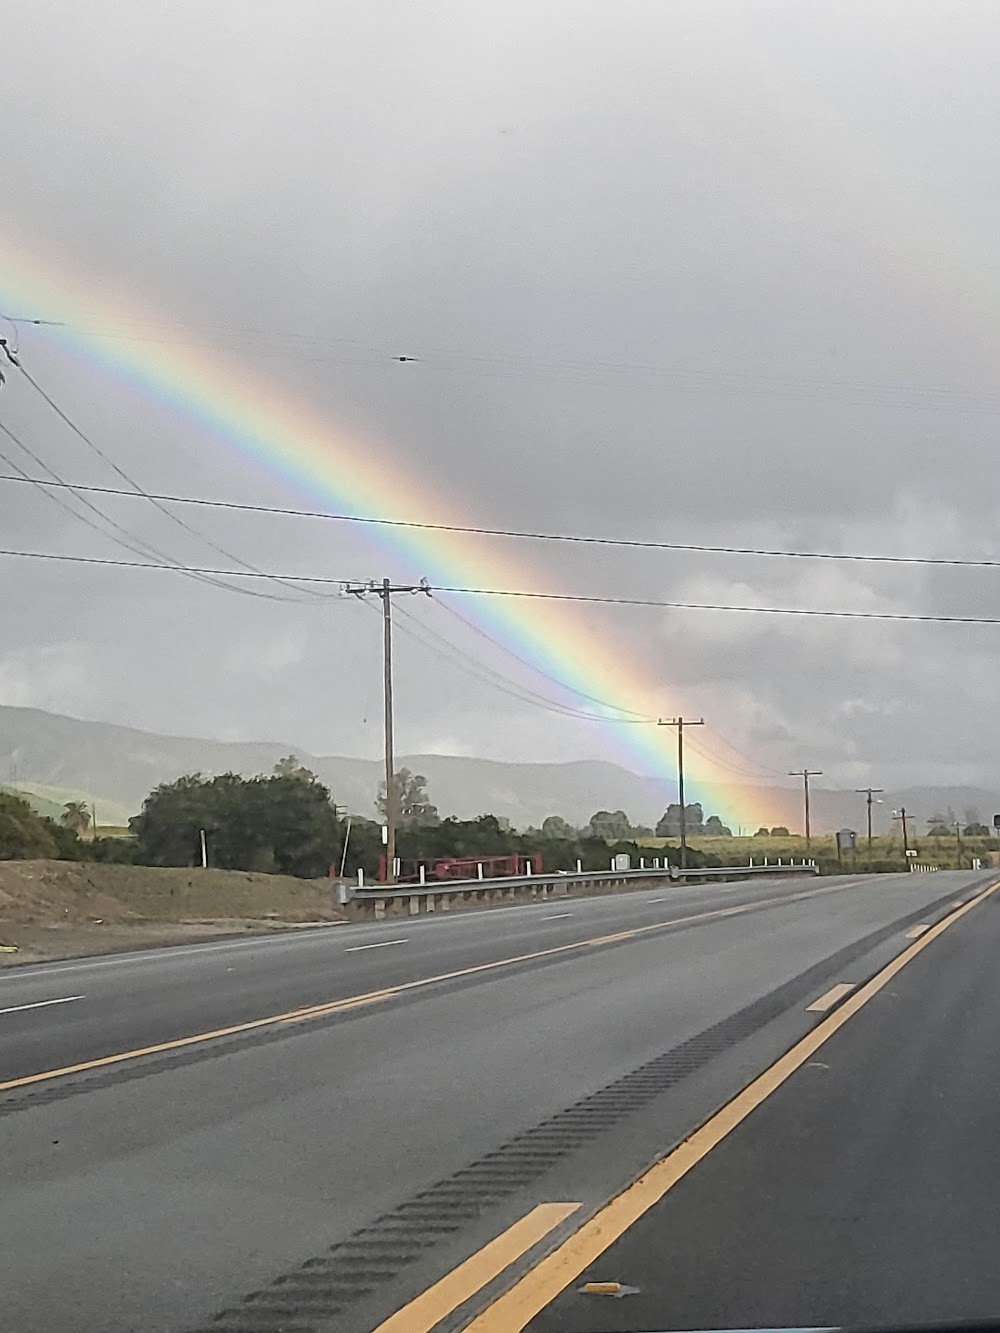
x: 340, y: 471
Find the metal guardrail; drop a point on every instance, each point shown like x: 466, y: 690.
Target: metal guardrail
x: 527, y: 887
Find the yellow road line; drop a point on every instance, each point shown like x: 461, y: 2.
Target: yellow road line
x: 830, y: 998
x: 917, y: 931
x: 516, y: 1307
x: 463, y: 1282
x: 376, y: 997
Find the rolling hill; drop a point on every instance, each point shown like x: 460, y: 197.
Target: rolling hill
x: 62, y: 758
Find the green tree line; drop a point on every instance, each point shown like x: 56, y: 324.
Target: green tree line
x: 286, y: 823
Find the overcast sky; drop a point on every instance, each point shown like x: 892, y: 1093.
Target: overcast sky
x: 722, y: 273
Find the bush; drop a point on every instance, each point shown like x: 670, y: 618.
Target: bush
x: 23, y: 833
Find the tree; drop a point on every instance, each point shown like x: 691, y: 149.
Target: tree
x: 938, y: 829
x: 413, y: 808
x: 24, y: 834
x: 714, y: 828
x: 669, y: 825
x: 779, y: 831
x: 76, y: 817
x: 611, y: 825
x: 762, y: 832
x: 280, y: 823
x: 976, y: 830
x: 289, y: 767
x: 554, y: 826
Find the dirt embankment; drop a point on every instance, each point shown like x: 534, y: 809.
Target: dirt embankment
x: 64, y: 909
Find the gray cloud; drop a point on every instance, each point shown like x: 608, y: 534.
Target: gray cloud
x: 719, y: 273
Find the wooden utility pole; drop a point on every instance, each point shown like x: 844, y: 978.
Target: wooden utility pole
x: 902, y: 817
x: 872, y: 791
x: 384, y: 591
x: 805, y: 774
x: 680, y: 723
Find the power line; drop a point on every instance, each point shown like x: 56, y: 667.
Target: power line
x: 521, y: 366
x: 718, y: 606
x: 481, y: 671
x: 762, y: 770
x: 473, y: 530
x: 755, y: 774
x: 650, y: 602
x: 130, y: 481
x: 127, y: 539
x: 582, y: 694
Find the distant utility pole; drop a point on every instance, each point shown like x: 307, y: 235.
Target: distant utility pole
x: 872, y: 791
x: 902, y: 817
x: 805, y: 774
x: 384, y: 591
x: 680, y: 723
x: 958, y: 836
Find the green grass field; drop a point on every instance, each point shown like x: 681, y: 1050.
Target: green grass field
x: 886, y: 852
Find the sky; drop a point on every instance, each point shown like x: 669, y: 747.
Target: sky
x: 713, y: 273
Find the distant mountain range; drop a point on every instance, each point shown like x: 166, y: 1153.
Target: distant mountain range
x: 63, y: 758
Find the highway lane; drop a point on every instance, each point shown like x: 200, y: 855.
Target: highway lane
x: 160, y: 1199
x: 864, y: 1191
x: 62, y: 1013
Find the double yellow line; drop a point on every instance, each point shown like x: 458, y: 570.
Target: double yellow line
x: 379, y: 996
x: 512, y: 1311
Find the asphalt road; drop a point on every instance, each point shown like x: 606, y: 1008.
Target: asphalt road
x: 864, y: 1191
x: 58, y: 1014
x: 338, y: 1165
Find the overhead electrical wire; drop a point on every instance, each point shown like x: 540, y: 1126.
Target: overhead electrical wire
x: 753, y: 774
x: 472, y: 666
x: 528, y: 366
x: 589, y: 598
x: 139, y: 491
x: 127, y: 539
x: 576, y: 538
x: 497, y: 643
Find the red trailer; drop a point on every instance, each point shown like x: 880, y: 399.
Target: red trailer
x: 463, y: 867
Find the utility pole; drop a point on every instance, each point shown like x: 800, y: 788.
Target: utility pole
x: 872, y: 791
x: 384, y: 591
x: 958, y: 836
x: 805, y: 774
x: 902, y: 817
x: 680, y: 723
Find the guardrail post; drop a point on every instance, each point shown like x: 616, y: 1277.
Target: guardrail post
x: 751, y: 863
x: 423, y: 874
x: 479, y: 870
x: 361, y: 878
x: 579, y: 866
